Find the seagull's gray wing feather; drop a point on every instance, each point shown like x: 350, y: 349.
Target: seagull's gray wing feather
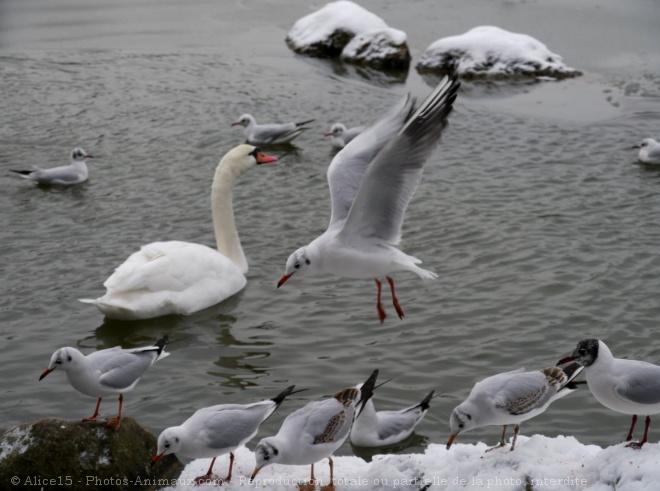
x: 639, y: 383
x: 393, y: 176
x: 120, y: 369
x: 349, y: 165
x: 232, y: 425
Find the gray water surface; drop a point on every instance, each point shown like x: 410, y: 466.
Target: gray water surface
x: 542, y: 228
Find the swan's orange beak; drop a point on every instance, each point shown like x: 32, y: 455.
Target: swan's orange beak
x: 283, y: 279
x: 263, y: 158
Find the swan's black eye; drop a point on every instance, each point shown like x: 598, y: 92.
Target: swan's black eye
x: 254, y: 152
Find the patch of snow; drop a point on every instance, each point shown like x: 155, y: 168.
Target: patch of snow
x: 351, y: 32
x: 16, y: 440
x: 540, y: 462
x: 488, y: 51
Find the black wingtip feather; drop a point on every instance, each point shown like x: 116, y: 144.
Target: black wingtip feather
x: 279, y: 398
x: 161, y: 344
x: 426, y: 402
x: 22, y: 172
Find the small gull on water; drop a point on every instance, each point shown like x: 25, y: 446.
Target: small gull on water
x: 74, y: 173
x: 371, y: 183
x: 274, y: 133
x: 314, y: 431
x: 379, y: 428
x: 106, y: 372
x: 625, y: 386
x: 649, y: 151
x: 216, y: 430
x: 341, y: 135
x: 511, y: 398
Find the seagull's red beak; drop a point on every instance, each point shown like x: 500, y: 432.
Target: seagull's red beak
x: 235, y: 123
x: 88, y: 156
x: 565, y: 360
x: 46, y: 372
x: 327, y: 134
x: 157, y: 458
x: 283, y: 279
x: 263, y: 158
x: 451, y: 440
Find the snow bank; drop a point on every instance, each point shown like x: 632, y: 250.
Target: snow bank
x: 491, y: 52
x: 344, y: 29
x: 542, y: 463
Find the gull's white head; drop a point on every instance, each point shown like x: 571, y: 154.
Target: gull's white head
x: 168, y: 442
x: 462, y: 419
x: 62, y: 358
x: 298, y: 264
x: 245, y: 120
x: 79, y: 155
x: 336, y: 130
x: 265, y: 454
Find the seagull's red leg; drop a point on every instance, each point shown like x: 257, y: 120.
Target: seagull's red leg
x: 515, y: 437
x: 231, y: 464
x: 206, y: 478
x: 632, y: 428
x: 395, y: 300
x: 638, y: 445
x: 96, y: 412
x: 114, y: 422
x: 379, y: 305
x: 502, y: 441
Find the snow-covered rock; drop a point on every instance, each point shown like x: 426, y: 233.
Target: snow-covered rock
x: 491, y: 52
x: 344, y: 29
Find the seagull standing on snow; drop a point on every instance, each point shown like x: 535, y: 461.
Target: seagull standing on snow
x: 511, y: 398
x: 216, y: 430
x: 649, y: 151
x: 314, y: 431
x: 341, y: 136
x: 379, y: 428
x: 263, y: 134
x: 625, y: 386
x: 74, y: 173
x: 371, y: 182
x: 106, y: 372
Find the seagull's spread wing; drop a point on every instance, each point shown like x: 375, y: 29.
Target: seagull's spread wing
x: 349, y: 165
x: 393, y: 176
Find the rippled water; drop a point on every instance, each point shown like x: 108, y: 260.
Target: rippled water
x: 540, y: 225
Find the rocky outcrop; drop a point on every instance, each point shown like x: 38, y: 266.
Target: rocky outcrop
x: 82, y: 455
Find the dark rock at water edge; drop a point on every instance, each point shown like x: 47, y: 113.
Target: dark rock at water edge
x: 82, y: 455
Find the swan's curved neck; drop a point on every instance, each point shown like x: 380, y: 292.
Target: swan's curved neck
x: 226, y: 235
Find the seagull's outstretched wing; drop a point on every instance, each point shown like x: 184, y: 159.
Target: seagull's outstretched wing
x: 349, y: 165
x: 392, y: 178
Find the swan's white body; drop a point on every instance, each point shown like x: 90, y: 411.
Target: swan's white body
x: 177, y: 277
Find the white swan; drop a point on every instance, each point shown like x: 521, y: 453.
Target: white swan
x: 178, y: 277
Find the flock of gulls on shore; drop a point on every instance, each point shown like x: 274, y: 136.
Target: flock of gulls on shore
x: 372, y: 180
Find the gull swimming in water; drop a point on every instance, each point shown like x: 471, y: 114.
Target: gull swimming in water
x: 341, y: 136
x: 270, y: 134
x: 74, y: 173
x: 371, y: 183
x: 649, y: 151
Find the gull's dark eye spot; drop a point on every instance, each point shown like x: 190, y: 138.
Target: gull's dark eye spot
x: 297, y: 265
x: 167, y: 445
x: 58, y: 361
x: 266, y: 457
x: 276, y: 451
x: 583, y: 351
x: 308, y: 262
x: 469, y: 416
x: 461, y: 425
x: 69, y: 358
